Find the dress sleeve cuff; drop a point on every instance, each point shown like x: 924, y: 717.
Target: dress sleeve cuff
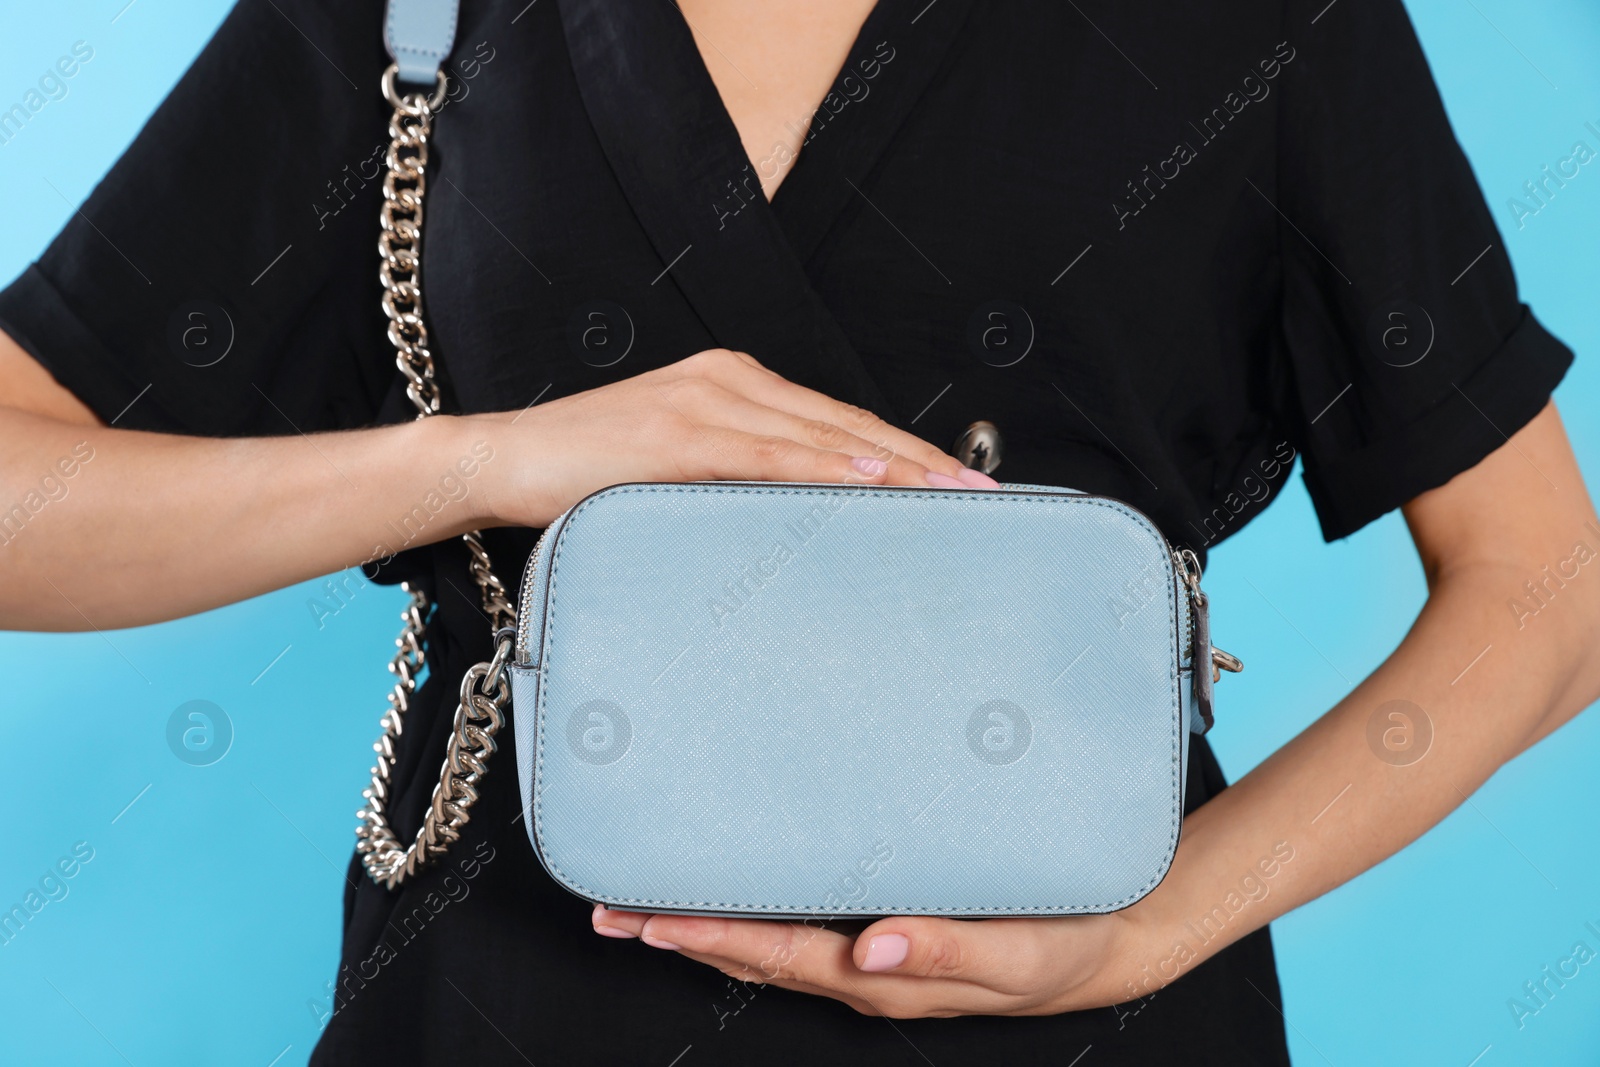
x: 1479, y: 415
x: 38, y: 317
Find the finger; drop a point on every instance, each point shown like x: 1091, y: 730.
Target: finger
x: 735, y: 411
x: 746, y: 376
x: 769, y: 949
x: 733, y: 454
x: 996, y: 953
x: 748, y: 358
x: 1007, y: 955
x: 609, y: 923
x: 729, y: 453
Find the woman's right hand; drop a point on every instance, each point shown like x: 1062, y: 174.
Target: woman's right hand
x: 161, y: 525
x: 715, y: 415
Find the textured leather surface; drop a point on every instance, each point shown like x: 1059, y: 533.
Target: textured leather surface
x: 783, y: 699
x: 419, y: 34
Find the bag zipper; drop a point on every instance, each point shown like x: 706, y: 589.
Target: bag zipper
x: 523, y: 657
x: 1185, y: 564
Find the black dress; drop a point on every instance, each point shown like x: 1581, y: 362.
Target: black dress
x: 1167, y: 248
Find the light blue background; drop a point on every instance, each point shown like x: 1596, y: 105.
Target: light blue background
x: 207, y: 924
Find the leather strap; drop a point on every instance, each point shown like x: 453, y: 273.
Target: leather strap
x: 419, y: 35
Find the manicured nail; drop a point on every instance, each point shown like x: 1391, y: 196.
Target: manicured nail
x: 869, y: 466
x: 656, y: 942
x: 976, y: 479
x: 601, y: 927
x: 886, y: 951
x: 944, y: 481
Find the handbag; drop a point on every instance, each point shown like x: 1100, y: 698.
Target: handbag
x: 794, y: 699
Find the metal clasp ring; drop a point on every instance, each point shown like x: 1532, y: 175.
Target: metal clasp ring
x: 407, y: 103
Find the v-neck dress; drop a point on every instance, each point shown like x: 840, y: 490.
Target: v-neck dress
x: 1167, y: 249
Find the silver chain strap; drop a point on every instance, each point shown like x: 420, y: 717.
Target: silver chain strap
x: 485, y: 689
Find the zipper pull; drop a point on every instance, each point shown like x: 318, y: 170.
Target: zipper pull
x: 1189, y: 568
x: 1200, y: 668
x: 1207, y: 662
x: 1224, y: 661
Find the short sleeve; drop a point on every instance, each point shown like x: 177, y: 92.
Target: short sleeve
x: 1411, y: 357
x: 222, y: 278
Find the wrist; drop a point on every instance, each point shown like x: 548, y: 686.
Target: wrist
x: 1155, y: 942
x: 1207, y: 901
x: 1150, y: 950
x: 455, y: 467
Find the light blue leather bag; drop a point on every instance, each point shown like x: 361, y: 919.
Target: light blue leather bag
x: 750, y: 698
x: 753, y: 698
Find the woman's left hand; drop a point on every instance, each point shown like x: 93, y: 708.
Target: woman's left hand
x: 1478, y: 536
x: 909, y: 967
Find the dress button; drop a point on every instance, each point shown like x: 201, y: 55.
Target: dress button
x: 979, y: 446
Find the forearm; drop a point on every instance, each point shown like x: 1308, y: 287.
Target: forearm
x: 150, y: 526
x: 1337, y: 799
x: 104, y: 528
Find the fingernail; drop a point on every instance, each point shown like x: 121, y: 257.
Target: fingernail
x: 869, y: 466
x: 944, y: 481
x: 976, y: 479
x: 886, y: 951
x: 656, y: 942
x: 598, y: 919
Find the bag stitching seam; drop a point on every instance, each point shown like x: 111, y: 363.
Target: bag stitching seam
x: 539, y: 724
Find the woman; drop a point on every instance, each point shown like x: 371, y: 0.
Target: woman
x: 1164, y: 250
